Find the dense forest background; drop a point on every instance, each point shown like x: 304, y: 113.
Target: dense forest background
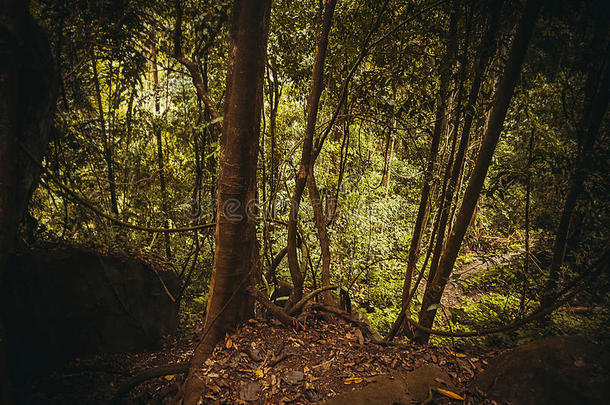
x: 405, y: 100
x: 435, y: 170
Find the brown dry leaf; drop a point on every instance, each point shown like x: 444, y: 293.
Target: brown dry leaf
x: 449, y: 394
x: 359, y: 336
x: 229, y: 342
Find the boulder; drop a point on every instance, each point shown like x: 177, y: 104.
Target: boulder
x: 558, y: 370
x: 381, y: 390
x: 415, y: 387
x: 70, y: 302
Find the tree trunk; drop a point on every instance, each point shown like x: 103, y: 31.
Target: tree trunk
x: 475, y: 184
x: 441, y: 112
x: 107, y: 146
x: 593, y: 116
x: 28, y: 90
x: 313, y: 101
x: 320, y: 220
x: 236, y: 255
x: 456, y: 162
x: 159, y: 140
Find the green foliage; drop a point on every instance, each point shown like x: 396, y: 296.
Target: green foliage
x: 384, y: 126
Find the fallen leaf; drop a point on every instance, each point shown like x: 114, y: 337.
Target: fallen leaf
x: 352, y: 380
x: 229, y: 342
x: 360, y: 337
x: 313, y: 395
x: 259, y: 373
x: 170, y: 377
x: 249, y: 391
x: 294, y: 377
x: 449, y: 394
x: 451, y: 352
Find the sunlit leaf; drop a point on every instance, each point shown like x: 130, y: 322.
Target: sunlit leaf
x: 449, y: 394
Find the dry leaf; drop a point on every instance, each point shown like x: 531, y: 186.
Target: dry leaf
x: 449, y: 394
x: 451, y: 352
x: 259, y: 373
x: 359, y: 336
x: 170, y: 377
x: 352, y: 380
x: 229, y: 342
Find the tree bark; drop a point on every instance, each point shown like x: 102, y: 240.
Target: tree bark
x: 107, y: 146
x: 236, y: 254
x: 475, y: 184
x: 456, y: 162
x: 159, y: 140
x: 320, y: 220
x: 441, y: 112
x: 593, y: 116
x: 313, y: 100
x: 28, y: 91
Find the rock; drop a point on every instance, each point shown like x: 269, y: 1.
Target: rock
x: 71, y: 302
x: 558, y: 370
x: 382, y: 390
x: 422, y: 380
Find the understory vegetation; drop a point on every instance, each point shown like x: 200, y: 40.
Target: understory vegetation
x: 138, y: 133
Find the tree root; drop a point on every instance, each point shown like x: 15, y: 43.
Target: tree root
x: 180, y: 368
x: 298, y: 307
x: 366, y: 329
x: 273, y: 309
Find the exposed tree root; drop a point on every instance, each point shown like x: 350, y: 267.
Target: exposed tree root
x: 366, y: 329
x: 298, y: 307
x: 273, y: 309
x: 180, y: 368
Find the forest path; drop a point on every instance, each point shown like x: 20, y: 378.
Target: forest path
x: 456, y: 290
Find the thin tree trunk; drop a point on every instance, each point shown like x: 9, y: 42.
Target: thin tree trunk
x: 313, y: 101
x: 441, y: 112
x: 236, y: 258
x: 475, y: 184
x: 107, y: 147
x: 320, y: 221
x: 159, y: 140
x: 274, y: 101
x: 455, y: 163
x: 528, y: 189
x: 593, y: 116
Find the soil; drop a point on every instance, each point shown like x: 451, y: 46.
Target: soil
x: 264, y: 362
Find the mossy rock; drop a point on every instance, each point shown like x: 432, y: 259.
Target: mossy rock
x: 558, y: 370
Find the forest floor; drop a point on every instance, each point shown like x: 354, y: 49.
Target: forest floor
x: 264, y: 362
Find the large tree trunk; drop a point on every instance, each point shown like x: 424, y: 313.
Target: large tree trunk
x: 236, y: 255
x: 28, y: 89
x: 313, y: 101
x: 475, y: 184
